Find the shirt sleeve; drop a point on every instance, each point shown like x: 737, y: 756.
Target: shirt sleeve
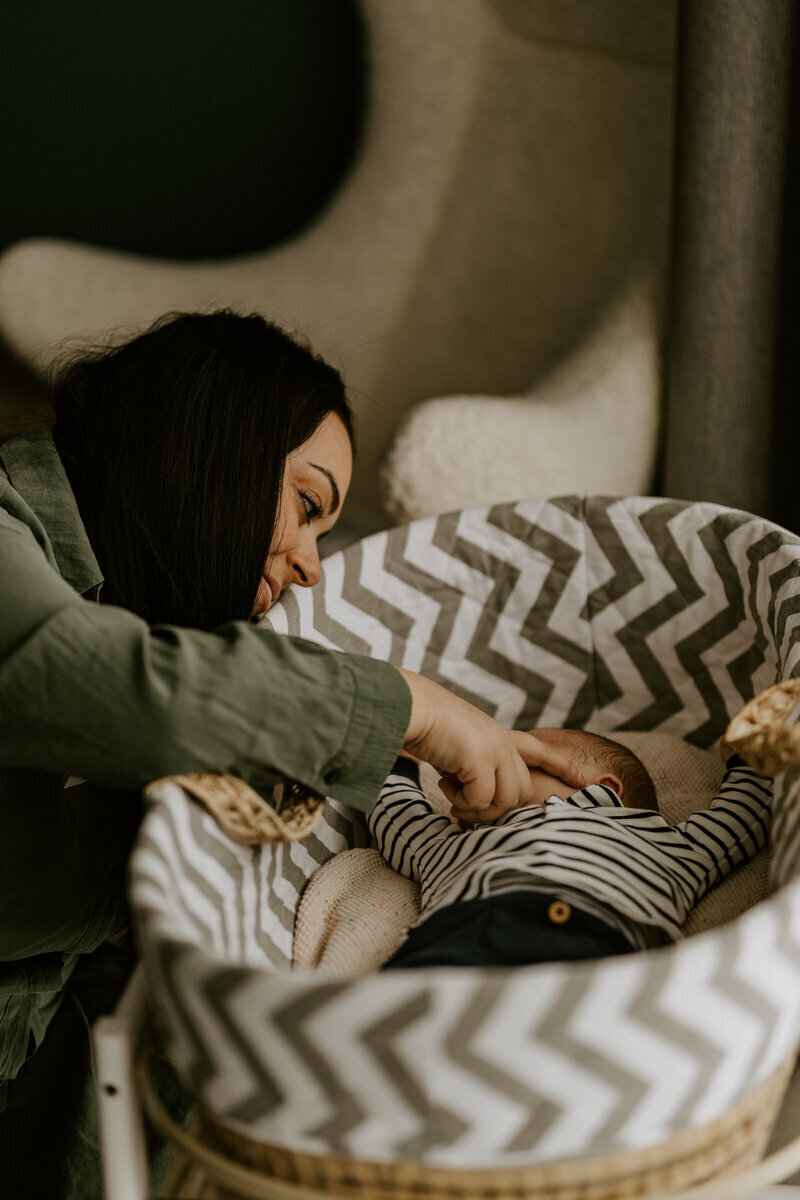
x: 92, y: 690
x: 404, y: 823
x: 732, y: 830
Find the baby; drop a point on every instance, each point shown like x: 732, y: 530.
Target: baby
x: 574, y: 874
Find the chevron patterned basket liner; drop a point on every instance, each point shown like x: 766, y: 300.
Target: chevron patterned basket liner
x: 616, y: 613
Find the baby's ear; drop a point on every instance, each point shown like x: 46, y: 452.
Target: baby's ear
x: 614, y: 782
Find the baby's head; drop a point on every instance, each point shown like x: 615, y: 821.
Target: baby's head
x: 600, y: 760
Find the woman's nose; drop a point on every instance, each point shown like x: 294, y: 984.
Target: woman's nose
x: 305, y: 564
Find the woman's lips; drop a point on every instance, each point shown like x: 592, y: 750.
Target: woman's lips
x: 263, y: 597
x: 268, y: 591
x: 274, y: 587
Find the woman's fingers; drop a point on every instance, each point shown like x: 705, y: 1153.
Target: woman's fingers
x: 470, y: 749
x: 471, y: 816
x: 476, y: 791
x: 513, y: 782
x: 485, y: 768
x: 510, y: 788
x: 536, y: 753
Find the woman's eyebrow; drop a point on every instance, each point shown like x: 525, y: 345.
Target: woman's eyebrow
x: 333, y: 483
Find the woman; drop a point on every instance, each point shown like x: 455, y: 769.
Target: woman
x: 187, y: 481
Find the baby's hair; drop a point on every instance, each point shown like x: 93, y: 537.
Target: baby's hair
x: 637, y: 784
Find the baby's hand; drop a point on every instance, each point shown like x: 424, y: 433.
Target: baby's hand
x: 726, y: 751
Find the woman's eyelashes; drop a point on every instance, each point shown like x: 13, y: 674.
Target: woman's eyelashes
x: 312, y: 507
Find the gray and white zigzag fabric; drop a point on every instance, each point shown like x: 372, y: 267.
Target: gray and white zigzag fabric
x: 634, y: 613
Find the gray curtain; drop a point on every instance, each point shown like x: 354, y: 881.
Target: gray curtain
x: 733, y: 98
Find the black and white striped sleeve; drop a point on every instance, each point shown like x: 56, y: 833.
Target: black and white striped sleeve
x: 403, y: 822
x: 732, y: 829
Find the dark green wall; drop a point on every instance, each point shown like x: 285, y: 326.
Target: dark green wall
x: 180, y: 128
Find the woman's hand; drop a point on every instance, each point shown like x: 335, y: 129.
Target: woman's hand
x: 484, y: 766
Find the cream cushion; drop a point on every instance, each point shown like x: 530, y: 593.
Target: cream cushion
x: 355, y: 909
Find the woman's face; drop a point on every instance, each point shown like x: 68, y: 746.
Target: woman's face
x: 315, y: 482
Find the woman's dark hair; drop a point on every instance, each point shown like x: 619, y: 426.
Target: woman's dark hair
x: 175, y: 444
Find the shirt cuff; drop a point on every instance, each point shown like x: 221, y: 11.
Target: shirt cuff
x: 407, y: 768
x: 380, y: 712
x: 735, y: 761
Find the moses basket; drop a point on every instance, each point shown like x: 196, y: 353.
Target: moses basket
x: 618, y: 613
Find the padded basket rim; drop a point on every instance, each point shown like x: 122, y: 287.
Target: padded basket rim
x: 735, y: 1140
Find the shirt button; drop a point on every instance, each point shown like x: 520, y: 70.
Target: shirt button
x: 559, y: 912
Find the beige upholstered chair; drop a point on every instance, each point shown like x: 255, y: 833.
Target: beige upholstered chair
x: 501, y: 236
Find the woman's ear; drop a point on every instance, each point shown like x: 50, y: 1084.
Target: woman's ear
x: 614, y: 782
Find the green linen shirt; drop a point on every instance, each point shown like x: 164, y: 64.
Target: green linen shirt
x: 91, y: 691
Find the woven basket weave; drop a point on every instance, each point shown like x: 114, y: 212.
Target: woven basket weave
x: 244, y: 815
x: 229, y: 1166
x: 765, y: 732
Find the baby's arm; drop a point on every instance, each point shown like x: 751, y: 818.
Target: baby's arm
x: 734, y: 827
x: 404, y: 822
